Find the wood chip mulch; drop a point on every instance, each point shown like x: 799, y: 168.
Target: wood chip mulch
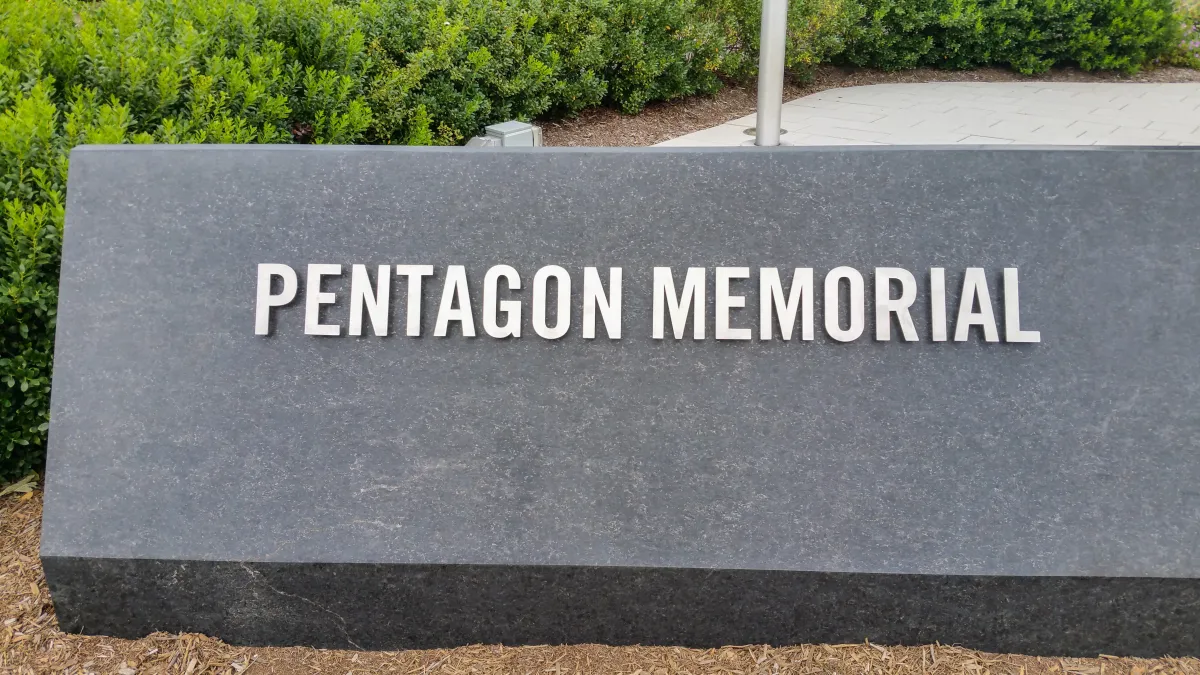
x: 30, y: 642
x: 663, y: 121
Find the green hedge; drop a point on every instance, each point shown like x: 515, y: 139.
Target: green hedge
x: 112, y: 72
x: 424, y: 72
x: 817, y: 31
x: 1028, y: 35
x: 1188, y: 53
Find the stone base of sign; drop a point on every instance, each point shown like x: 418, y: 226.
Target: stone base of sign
x: 372, y: 606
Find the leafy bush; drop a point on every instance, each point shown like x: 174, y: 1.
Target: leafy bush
x: 34, y: 173
x: 443, y: 69
x: 815, y: 33
x: 1187, y: 52
x: 183, y: 71
x: 1027, y: 35
x: 659, y: 52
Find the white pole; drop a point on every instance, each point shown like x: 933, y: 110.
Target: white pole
x: 771, y: 45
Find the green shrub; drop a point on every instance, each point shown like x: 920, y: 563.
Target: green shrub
x: 1027, y: 35
x: 183, y: 71
x: 659, y: 52
x: 1187, y: 52
x: 34, y: 173
x: 443, y: 69
x: 816, y: 32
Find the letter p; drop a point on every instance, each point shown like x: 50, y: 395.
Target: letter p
x: 266, y: 300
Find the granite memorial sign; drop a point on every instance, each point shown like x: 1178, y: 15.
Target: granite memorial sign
x: 386, y: 397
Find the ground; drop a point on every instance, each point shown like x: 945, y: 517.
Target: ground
x: 30, y: 642
x: 663, y: 121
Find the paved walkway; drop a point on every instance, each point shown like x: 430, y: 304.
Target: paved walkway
x: 1049, y: 113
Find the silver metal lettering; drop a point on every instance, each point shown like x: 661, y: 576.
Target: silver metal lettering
x: 266, y: 300
x: 858, y: 310
x: 315, y: 298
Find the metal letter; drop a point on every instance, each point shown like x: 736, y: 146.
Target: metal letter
x: 262, y: 309
x: 975, y: 288
x: 1012, y: 311
x: 664, y: 296
x: 885, y: 305
x: 315, y: 298
x: 563, y: 318
x: 455, y: 289
x: 725, y: 302
x: 937, y: 302
x: 377, y: 302
x: 770, y: 291
x: 413, y: 311
x: 858, y: 310
x: 511, y: 308
x: 594, y: 298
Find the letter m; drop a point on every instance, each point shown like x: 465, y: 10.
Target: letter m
x: 691, y: 298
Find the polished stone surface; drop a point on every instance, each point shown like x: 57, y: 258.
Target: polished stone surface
x: 795, y: 476
x: 379, y: 606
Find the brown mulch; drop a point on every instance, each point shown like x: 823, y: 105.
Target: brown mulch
x: 663, y: 121
x: 30, y: 642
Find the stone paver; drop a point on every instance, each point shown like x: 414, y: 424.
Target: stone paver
x: 937, y: 113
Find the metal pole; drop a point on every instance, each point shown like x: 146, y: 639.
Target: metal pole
x: 771, y: 45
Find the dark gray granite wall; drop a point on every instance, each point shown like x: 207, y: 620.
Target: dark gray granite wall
x: 397, y: 491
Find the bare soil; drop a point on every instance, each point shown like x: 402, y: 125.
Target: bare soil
x: 30, y: 642
x: 666, y: 120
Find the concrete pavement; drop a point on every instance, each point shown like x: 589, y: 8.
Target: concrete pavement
x: 1043, y: 113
